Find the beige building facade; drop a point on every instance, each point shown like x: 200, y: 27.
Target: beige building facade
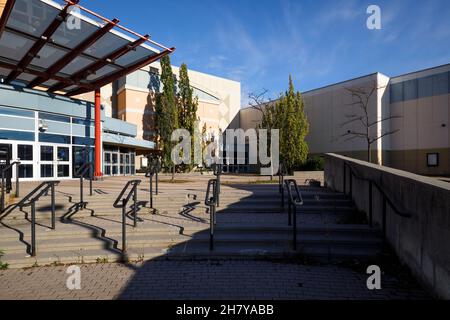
x: 131, y: 99
x: 416, y: 106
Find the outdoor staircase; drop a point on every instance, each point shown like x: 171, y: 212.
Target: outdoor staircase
x: 250, y: 224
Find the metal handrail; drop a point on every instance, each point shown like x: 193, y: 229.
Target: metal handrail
x: 152, y: 170
x: 386, y: 198
x: 217, y: 171
x: 294, y: 201
x: 402, y: 213
x: 212, y: 203
x: 3, y: 171
x: 30, y: 201
x: 87, y: 167
x: 281, y: 174
x: 123, y: 205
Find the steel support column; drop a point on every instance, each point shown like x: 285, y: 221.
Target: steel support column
x: 98, y: 136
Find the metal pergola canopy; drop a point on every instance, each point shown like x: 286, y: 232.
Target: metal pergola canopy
x: 55, y: 47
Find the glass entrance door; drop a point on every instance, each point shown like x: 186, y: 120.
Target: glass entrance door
x: 54, y: 161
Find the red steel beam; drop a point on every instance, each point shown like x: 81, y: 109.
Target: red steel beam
x: 136, y: 66
x: 98, y: 136
x: 69, y: 57
x: 119, y: 26
x: 37, y: 73
x: 92, y: 68
x: 5, y: 16
x: 38, y: 45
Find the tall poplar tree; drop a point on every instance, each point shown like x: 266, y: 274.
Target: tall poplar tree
x: 166, y: 112
x: 187, y: 105
x: 288, y: 115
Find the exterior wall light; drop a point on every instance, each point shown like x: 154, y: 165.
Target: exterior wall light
x: 433, y: 160
x: 43, y: 127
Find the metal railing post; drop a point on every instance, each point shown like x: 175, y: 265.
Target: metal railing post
x: 3, y: 192
x: 211, y: 227
x: 33, y: 229
x: 81, y: 191
x: 295, y: 228
x: 53, y: 206
x: 282, y: 192
x: 124, y: 226
x: 289, y: 213
x: 134, y: 205
x: 17, y: 181
x: 90, y: 179
x: 151, y: 191
x: 156, y: 182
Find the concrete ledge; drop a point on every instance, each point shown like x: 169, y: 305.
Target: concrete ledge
x: 423, y: 241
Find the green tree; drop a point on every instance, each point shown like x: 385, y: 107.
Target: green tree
x: 187, y: 105
x: 166, y: 113
x: 288, y: 115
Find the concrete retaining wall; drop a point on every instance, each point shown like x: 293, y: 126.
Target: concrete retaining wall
x: 423, y: 241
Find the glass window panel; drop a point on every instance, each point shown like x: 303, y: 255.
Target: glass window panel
x: 25, y: 152
x: 63, y: 154
x: 54, y: 138
x: 63, y: 171
x: 46, y: 170
x: 83, y: 141
x: 127, y: 169
x: 76, y: 65
x: 46, y: 153
x: 121, y: 170
x: 16, y: 112
x: 53, y: 117
x: 26, y: 171
x: 106, y: 45
x: 50, y: 83
x: 13, y: 46
x: 16, y: 135
x: 106, y: 70
x: 70, y: 38
x: 48, y: 56
x: 134, y: 56
x: 114, y: 158
x: 133, y: 170
x: 26, y: 77
x: 32, y: 16
x: 127, y: 159
x: 115, y: 170
x: 79, y: 158
x: 108, y: 170
x: 82, y: 121
x: 108, y: 157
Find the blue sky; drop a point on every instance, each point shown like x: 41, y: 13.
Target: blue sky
x: 261, y: 42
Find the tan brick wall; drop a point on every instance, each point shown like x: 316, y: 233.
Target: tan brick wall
x: 2, y: 6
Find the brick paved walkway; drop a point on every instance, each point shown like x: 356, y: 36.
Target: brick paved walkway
x: 202, y: 280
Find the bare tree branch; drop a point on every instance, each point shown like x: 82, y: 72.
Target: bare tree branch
x: 385, y: 119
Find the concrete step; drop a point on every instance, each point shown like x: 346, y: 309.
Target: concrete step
x: 167, y: 239
x: 193, y: 250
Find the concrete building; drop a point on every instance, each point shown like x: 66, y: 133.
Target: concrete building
x: 131, y: 99
x: 69, y: 96
x: 416, y: 103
